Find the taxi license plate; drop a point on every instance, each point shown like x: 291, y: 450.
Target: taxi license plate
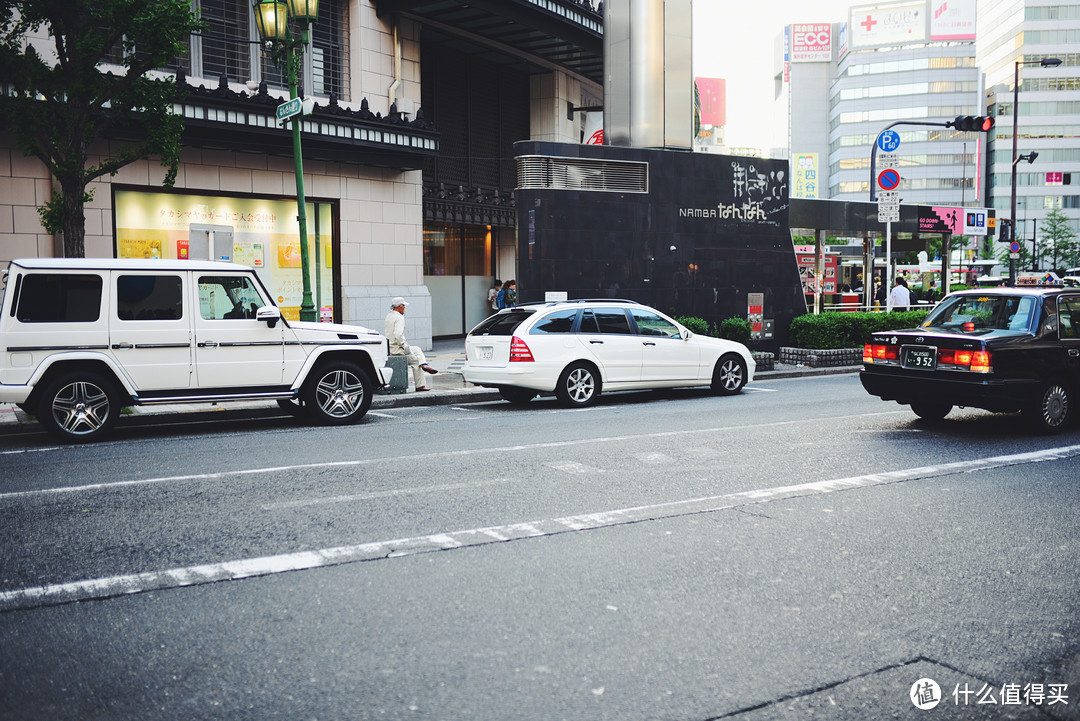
x: 920, y: 357
x: 484, y: 352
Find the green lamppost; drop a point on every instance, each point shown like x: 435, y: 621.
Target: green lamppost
x: 273, y: 19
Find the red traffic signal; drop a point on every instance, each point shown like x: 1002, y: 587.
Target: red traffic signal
x: 972, y: 123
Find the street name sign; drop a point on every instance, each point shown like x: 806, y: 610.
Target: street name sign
x: 289, y: 108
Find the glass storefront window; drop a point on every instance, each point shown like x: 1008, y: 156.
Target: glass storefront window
x: 451, y: 249
x: 260, y: 233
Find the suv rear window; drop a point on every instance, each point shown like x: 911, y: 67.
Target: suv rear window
x: 58, y: 298
x: 502, y: 323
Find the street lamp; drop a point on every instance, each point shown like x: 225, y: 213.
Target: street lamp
x: 1046, y: 63
x: 273, y: 19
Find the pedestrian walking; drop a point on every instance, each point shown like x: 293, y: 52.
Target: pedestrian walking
x: 507, y: 297
x: 900, y: 296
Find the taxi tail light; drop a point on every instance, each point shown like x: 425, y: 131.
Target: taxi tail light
x: 977, y: 361
x: 876, y: 353
x: 980, y: 362
x: 519, y: 351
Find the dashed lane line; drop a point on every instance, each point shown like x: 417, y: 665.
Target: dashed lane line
x: 109, y: 587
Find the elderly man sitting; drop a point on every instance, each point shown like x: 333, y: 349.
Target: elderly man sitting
x: 395, y: 333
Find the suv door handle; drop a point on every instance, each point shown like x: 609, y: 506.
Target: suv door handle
x: 208, y: 344
x: 648, y: 342
x: 123, y: 346
x: 1074, y: 352
x: 597, y: 342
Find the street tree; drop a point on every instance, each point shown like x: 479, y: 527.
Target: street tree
x: 1060, y: 241
x: 80, y: 121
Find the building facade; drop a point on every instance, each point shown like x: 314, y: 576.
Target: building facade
x: 1015, y: 36
x: 902, y: 62
x: 408, y: 155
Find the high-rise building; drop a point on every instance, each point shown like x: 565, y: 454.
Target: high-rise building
x: 906, y: 62
x: 1015, y: 38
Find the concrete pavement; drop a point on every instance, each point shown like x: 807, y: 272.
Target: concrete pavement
x: 447, y: 387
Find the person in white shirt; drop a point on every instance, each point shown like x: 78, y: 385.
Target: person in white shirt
x: 395, y: 334
x: 900, y: 296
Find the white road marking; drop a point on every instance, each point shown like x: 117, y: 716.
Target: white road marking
x: 99, y: 588
x: 221, y: 475
x: 392, y: 493
x: 574, y: 467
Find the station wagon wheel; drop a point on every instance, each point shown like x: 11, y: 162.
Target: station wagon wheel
x: 517, y: 396
x: 338, y: 392
x: 931, y: 411
x: 729, y: 376
x: 79, y: 407
x: 1051, y: 410
x: 579, y: 385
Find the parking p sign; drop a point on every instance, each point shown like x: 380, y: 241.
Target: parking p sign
x: 888, y: 141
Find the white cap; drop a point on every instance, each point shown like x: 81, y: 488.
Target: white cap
x: 396, y: 301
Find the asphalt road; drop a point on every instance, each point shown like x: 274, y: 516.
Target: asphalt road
x: 800, y: 550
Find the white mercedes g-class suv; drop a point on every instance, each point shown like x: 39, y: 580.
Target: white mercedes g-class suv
x: 80, y: 338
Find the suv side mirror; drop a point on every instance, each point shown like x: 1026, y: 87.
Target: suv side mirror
x: 269, y: 313
x: 686, y: 334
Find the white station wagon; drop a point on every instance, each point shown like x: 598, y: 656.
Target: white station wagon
x: 82, y: 338
x: 575, y: 349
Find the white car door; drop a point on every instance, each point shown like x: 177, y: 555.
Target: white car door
x: 666, y: 357
x: 605, y: 334
x: 232, y: 349
x: 150, y: 329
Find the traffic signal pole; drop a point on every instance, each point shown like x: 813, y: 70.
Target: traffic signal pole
x: 963, y: 123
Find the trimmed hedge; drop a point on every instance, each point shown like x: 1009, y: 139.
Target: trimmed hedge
x: 847, y: 330
x: 737, y: 329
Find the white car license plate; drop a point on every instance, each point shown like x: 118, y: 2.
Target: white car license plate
x: 484, y: 352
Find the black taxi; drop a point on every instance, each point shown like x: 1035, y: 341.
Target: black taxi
x: 999, y: 349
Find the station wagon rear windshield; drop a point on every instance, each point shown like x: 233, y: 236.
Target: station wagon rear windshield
x: 982, y: 313
x: 503, y: 323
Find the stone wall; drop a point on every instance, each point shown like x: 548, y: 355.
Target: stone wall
x: 820, y: 358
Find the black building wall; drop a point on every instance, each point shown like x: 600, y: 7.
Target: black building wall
x: 710, y: 230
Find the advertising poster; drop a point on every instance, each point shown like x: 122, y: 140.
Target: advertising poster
x: 952, y: 20
x: 874, y: 26
x: 263, y: 234
x: 811, y: 43
x: 804, y: 181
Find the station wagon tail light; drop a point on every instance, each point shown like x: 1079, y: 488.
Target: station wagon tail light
x: 877, y: 353
x: 519, y: 351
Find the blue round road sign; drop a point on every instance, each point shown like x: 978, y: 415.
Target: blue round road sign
x: 888, y: 179
x: 888, y: 141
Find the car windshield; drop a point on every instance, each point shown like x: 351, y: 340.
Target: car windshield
x: 982, y: 313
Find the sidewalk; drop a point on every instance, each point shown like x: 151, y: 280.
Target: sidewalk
x: 448, y: 387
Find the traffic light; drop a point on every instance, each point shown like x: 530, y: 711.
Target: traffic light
x: 972, y: 123
x: 1005, y: 230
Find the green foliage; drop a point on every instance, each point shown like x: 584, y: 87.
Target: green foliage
x: 1060, y: 241
x: 847, y: 330
x: 698, y: 326
x: 60, y: 106
x: 736, y: 329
